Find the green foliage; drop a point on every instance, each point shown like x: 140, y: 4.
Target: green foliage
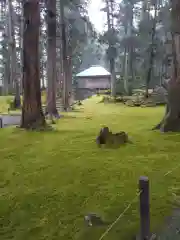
x: 4, y: 103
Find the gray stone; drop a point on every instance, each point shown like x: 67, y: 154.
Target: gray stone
x: 10, y: 120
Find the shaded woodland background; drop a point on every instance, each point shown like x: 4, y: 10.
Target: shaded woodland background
x: 133, y: 38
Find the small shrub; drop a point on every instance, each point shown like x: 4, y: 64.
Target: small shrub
x: 11, y: 106
x: 8, y: 101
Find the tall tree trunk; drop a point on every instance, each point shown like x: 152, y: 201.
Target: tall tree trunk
x: 6, y: 57
x: 70, y: 88
x: 152, y: 54
x: 161, y: 70
x: 64, y: 50
x: 59, y: 57
x: 6, y: 73
x: 9, y: 54
x: 69, y: 62
x: 126, y: 73
x: 112, y: 60
x: 5, y: 53
x: 21, y: 49
x: 125, y: 63
x: 129, y: 52
x: 110, y: 23
x: 43, y: 50
x: 144, y: 14
x: 171, y: 120
x: 51, y: 59
x: 12, y: 43
x: 113, y: 77
x: 32, y: 114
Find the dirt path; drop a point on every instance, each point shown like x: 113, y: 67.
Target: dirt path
x: 171, y: 231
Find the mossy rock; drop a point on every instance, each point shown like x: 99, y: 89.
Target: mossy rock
x: 148, y: 104
x: 105, y: 99
x: 119, y: 99
x: 137, y: 102
x: 151, y: 104
x: 129, y: 103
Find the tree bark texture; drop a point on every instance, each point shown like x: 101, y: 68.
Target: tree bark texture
x: 12, y: 45
x: 6, y: 55
x: 171, y: 120
x: 32, y: 114
x: 51, y: 58
x: 129, y: 73
x: 21, y: 49
x: 152, y: 51
x: 64, y: 50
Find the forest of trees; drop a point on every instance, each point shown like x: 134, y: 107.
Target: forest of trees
x: 140, y: 37
x: 45, y: 43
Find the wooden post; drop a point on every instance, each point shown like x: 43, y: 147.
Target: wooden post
x: 144, y: 208
x: 1, y: 123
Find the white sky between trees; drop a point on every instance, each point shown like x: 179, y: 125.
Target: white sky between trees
x: 97, y: 17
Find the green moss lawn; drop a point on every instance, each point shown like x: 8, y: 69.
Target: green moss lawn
x: 48, y: 181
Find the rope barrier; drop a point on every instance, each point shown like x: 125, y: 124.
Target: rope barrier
x: 172, y: 170
x: 119, y: 217
x: 127, y: 208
